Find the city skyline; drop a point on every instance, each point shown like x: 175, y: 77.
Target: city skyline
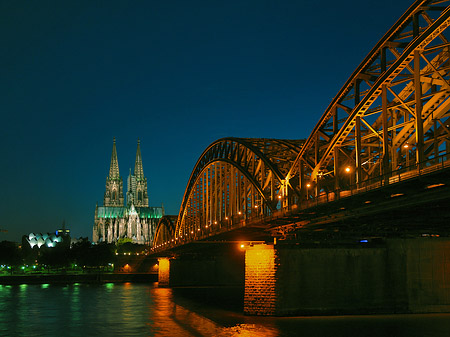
x: 176, y: 75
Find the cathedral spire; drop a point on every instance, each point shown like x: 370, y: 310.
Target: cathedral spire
x: 138, y: 168
x: 114, y: 185
x: 114, y: 168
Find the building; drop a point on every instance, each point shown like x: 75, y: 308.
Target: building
x: 135, y: 219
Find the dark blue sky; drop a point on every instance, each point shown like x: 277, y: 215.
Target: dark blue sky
x: 176, y: 74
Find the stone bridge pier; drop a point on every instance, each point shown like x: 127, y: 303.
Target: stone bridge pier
x: 218, y: 265
x: 386, y: 276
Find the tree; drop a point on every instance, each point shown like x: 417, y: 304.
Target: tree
x: 10, y: 254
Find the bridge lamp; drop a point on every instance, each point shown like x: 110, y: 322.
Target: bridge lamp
x: 348, y: 169
x: 239, y: 212
x: 406, y: 146
x: 226, y: 218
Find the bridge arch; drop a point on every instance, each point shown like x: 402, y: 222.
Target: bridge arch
x: 235, y: 179
x: 388, y: 122
x: 392, y: 114
x: 165, y: 231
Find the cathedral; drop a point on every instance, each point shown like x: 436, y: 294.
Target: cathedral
x: 135, y: 220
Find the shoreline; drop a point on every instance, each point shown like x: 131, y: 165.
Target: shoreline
x: 78, y: 278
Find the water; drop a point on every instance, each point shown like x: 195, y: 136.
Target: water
x: 146, y: 310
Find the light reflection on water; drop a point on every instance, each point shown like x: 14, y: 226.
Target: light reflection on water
x: 145, y: 310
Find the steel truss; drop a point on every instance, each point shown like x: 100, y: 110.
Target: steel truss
x: 235, y: 179
x: 391, y: 114
x: 389, y: 120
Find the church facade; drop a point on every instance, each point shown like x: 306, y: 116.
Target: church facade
x: 135, y: 219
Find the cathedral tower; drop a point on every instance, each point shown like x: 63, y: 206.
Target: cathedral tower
x: 114, y: 184
x: 137, y: 183
x: 136, y: 221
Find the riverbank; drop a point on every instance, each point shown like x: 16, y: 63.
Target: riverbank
x: 78, y: 278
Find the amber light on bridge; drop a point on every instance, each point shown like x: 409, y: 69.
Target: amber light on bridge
x: 247, y: 244
x: 163, y: 272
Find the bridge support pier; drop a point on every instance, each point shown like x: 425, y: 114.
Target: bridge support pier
x: 163, y: 272
x: 222, y: 266
x: 391, y: 276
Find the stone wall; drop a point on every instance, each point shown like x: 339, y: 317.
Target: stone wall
x: 395, y: 276
x: 260, y: 280
x: 222, y: 267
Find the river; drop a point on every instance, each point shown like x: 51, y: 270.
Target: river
x: 145, y: 310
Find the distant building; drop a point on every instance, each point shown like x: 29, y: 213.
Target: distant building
x: 136, y: 221
x: 63, y: 230
x: 48, y: 240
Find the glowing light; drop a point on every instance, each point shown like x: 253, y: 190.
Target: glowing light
x: 406, y: 146
x: 308, y: 185
x: 242, y: 245
x: 347, y: 169
x: 226, y: 218
x: 279, y: 197
x: 239, y: 212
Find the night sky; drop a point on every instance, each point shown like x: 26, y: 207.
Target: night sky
x: 178, y: 75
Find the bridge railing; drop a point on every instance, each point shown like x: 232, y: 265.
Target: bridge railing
x: 397, y: 176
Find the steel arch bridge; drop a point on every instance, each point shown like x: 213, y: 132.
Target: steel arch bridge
x: 390, y: 121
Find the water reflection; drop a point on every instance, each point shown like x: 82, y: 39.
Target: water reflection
x: 146, y: 310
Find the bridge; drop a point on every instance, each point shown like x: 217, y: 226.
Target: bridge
x: 376, y: 165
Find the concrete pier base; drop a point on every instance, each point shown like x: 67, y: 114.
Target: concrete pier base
x: 395, y: 276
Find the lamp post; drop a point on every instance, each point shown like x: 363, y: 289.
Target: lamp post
x: 348, y: 170
x: 308, y: 185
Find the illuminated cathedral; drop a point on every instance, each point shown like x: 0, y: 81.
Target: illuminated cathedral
x: 135, y: 219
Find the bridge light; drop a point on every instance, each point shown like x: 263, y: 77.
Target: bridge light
x: 406, y: 146
x: 215, y: 222
x: 308, y: 185
x: 279, y: 197
x: 239, y: 212
x: 198, y: 229
x: 242, y: 246
x: 226, y: 218
x: 348, y: 169
x: 206, y: 226
x: 192, y: 232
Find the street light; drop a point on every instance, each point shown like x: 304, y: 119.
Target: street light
x: 308, y: 185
